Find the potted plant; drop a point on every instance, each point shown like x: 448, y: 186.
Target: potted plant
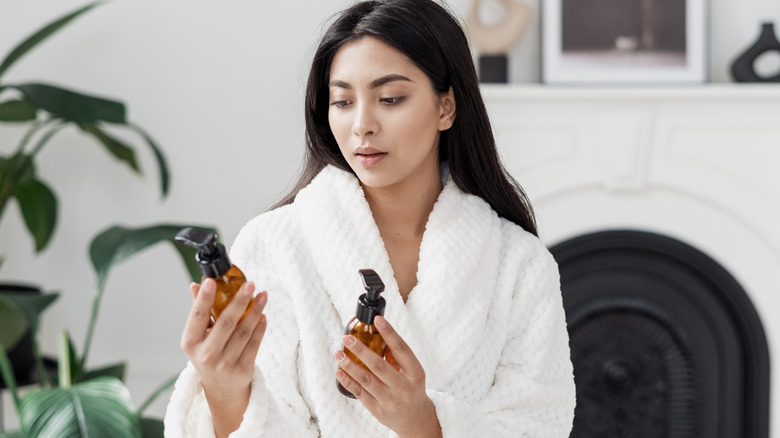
x: 71, y: 400
x: 79, y: 402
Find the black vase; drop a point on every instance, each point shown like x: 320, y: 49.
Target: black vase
x: 742, y: 69
x: 493, y: 69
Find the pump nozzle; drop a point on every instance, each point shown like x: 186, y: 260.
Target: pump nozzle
x: 372, y: 283
x: 198, y: 238
x: 213, y: 258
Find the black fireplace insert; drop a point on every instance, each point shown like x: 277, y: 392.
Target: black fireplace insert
x: 664, y: 341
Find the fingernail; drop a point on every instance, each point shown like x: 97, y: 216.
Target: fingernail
x: 379, y: 321
x: 249, y: 288
x: 349, y: 341
x: 340, y: 355
x: 340, y: 375
x: 263, y: 298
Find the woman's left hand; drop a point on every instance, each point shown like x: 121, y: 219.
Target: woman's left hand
x: 396, y: 397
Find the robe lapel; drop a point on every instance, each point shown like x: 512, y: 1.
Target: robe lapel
x: 444, y: 316
x: 456, y: 278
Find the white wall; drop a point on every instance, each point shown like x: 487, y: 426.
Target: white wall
x: 219, y: 85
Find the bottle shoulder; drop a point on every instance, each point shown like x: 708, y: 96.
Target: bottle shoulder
x: 234, y: 273
x: 355, y: 325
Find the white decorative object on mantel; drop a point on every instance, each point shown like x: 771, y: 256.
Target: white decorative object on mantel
x: 499, y: 38
x: 700, y: 165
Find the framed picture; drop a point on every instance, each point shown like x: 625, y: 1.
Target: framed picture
x: 624, y: 41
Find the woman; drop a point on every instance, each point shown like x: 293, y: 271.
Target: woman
x: 401, y: 176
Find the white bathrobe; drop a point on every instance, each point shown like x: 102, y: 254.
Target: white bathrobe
x: 485, y: 320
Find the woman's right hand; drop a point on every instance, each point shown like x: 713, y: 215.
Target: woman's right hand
x: 224, y: 354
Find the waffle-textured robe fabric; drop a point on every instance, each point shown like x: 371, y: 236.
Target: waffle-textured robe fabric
x: 485, y: 320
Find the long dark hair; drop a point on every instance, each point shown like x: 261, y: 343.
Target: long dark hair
x: 426, y: 33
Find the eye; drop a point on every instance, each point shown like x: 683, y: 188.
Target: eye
x: 340, y: 103
x: 391, y: 100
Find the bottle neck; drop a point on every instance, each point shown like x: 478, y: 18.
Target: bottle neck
x: 215, y: 267
x: 368, y: 310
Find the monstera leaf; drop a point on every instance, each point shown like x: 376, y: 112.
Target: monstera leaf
x: 96, y: 408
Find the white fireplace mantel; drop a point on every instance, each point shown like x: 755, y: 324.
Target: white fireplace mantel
x: 699, y: 164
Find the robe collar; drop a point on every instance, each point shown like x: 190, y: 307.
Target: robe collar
x: 445, y: 314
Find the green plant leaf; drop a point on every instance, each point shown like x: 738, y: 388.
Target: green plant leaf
x: 115, y: 370
x: 6, y: 370
x: 165, y: 179
x: 69, y: 367
x: 119, y: 150
x: 13, y: 324
x: 16, y: 170
x: 187, y: 254
x: 17, y: 111
x: 72, y: 106
x: 39, y: 209
x: 97, y: 408
x: 118, y: 243
x: 31, y: 302
x: 41, y: 35
x: 31, y: 305
x: 151, y: 427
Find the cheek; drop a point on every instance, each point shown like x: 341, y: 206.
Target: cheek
x: 339, y: 127
x: 418, y: 127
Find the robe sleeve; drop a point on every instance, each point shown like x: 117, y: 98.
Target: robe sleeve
x: 276, y: 407
x: 533, y: 393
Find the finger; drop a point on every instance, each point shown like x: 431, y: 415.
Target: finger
x: 194, y: 290
x: 390, y: 358
x: 200, y: 315
x: 228, y: 320
x: 379, y: 375
x: 402, y: 355
x: 245, y: 329
x: 356, y: 379
x: 350, y: 384
x: 249, y: 354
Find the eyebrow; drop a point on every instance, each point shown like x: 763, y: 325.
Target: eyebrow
x: 376, y: 83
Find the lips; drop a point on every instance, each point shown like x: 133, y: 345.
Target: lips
x: 368, y: 156
x: 367, y: 150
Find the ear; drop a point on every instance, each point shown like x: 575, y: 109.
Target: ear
x: 446, y: 110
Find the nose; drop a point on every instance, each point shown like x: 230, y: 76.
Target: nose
x: 365, y: 122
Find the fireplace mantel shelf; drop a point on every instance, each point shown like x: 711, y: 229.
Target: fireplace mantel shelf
x: 704, y: 93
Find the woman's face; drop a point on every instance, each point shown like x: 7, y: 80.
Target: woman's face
x: 385, y: 115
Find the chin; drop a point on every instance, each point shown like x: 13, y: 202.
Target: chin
x: 374, y: 181
x: 374, y: 178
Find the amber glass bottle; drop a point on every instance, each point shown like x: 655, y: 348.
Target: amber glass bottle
x: 370, y: 304
x: 215, y: 263
x: 227, y: 287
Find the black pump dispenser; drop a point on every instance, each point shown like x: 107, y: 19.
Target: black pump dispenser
x: 370, y: 304
x: 212, y: 256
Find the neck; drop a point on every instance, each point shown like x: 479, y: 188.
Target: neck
x: 402, y: 210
